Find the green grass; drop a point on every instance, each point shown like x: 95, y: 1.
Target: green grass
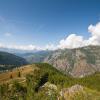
x: 47, y: 73
x: 58, y: 78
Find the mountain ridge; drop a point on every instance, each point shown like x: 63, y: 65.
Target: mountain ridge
x: 77, y: 62
x: 9, y: 61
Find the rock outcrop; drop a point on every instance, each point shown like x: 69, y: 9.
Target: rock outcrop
x: 78, y: 92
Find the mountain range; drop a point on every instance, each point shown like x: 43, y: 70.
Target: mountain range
x: 77, y: 62
x: 72, y: 74
x: 35, y: 57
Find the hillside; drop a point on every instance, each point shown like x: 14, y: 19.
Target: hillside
x: 16, y: 73
x: 35, y: 57
x: 77, y: 62
x: 78, y: 92
x: 43, y: 82
x: 8, y: 61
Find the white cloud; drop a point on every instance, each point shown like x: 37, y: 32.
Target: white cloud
x: 1, y: 45
x: 75, y: 41
x: 95, y: 34
x: 28, y: 47
x: 24, y: 47
x: 20, y: 47
x: 8, y: 34
x: 71, y: 41
x: 49, y: 47
x: 95, y: 29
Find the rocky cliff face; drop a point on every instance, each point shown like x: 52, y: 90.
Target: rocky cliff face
x: 76, y: 62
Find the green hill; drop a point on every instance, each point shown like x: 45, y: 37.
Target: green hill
x: 46, y: 83
x: 8, y: 60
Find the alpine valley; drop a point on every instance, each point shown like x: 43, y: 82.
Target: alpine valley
x: 63, y: 74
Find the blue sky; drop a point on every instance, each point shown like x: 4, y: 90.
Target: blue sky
x: 42, y: 22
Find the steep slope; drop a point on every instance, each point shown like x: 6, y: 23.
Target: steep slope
x: 8, y: 60
x: 76, y: 62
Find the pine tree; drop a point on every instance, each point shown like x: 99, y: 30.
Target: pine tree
x: 11, y: 76
x: 19, y: 74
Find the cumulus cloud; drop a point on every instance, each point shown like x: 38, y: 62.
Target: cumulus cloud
x: 95, y: 29
x: 75, y: 41
x: 95, y: 34
x: 71, y: 41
